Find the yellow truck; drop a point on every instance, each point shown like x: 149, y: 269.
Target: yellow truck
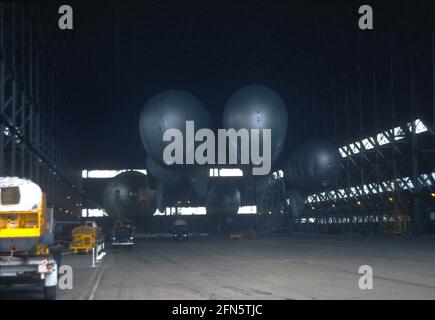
x: 84, y: 238
x: 26, y: 231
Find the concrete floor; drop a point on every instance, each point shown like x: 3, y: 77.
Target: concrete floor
x: 84, y: 278
x: 271, y: 267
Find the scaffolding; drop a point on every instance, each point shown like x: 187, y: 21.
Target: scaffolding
x: 377, y: 103
x: 29, y: 109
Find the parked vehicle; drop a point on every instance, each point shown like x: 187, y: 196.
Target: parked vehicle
x: 123, y: 236
x: 26, y: 232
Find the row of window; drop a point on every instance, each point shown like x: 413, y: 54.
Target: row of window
x: 186, y: 211
x: 405, y: 183
x: 105, y: 174
x: 382, y: 138
x: 353, y: 219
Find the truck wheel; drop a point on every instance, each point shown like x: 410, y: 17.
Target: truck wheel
x: 50, y: 293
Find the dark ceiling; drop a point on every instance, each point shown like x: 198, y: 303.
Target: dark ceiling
x: 310, y: 52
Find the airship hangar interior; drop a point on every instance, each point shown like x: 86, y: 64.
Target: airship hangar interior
x: 217, y: 149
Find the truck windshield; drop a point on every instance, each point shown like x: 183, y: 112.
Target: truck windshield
x: 122, y: 233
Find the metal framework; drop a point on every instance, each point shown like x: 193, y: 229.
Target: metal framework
x: 379, y: 105
x: 29, y: 109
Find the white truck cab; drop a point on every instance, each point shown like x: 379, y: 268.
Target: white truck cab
x: 26, y: 231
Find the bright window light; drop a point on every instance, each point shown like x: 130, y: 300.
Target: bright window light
x: 342, y: 193
x: 343, y: 151
x: 419, y: 126
x: 231, y: 173
x: 171, y: 211
x: 355, y: 147
x: 247, y: 210
x: 366, y: 189
x: 382, y: 139
x: 188, y: 211
x: 7, y: 131
x: 183, y: 211
x: 226, y: 172
x: 373, y: 188
x: 407, y: 183
x: 158, y: 213
x: 368, y: 144
x: 398, y: 133
x: 278, y: 174
x: 214, y: 172
x: 424, y: 180
x: 143, y: 171
x: 104, y: 174
x: 94, y: 213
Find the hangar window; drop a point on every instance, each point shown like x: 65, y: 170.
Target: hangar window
x: 398, y: 133
x: 231, y: 173
x: 419, y: 126
x: 186, y: 211
x: 342, y: 192
x: 424, y: 180
x: 226, y: 172
x: 407, y: 183
x: 343, y: 151
x: 94, y: 213
x: 368, y: 143
x: 404, y: 183
x: 366, y: 189
x: 104, y: 174
x: 355, y: 147
x: 278, y: 174
x: 373, y: 187
x: 247, y: 210
x: 382, y: 138
x: 189, y: 211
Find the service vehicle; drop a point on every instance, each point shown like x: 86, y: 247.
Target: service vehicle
x: 26, y: 233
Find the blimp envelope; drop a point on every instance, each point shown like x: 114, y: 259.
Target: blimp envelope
x: 17, y: 195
